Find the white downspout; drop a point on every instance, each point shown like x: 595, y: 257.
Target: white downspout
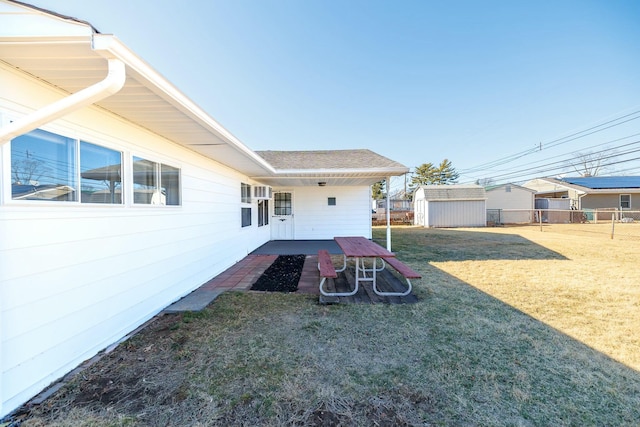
x: 114, y: 81
x: 388, y: 214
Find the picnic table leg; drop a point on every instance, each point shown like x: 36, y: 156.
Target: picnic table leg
x: 340, y: 294
x: 344, y: 265
x: 393, y: 294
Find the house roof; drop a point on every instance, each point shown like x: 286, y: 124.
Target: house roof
x: 605, y: 182
x: 69, y: 55
x: 361, y: 166
x: 587, y: 185
x: 454, y: 192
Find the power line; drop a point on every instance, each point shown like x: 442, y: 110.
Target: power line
x: 554, y: 143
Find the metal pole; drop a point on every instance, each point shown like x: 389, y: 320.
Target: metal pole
x: 613, y: 224
x: 388, y: 214
x: 540, y: 218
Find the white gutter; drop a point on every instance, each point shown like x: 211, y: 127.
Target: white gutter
x: 114, y: 81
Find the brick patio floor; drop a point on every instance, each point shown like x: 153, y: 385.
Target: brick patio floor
x: 244, y: 273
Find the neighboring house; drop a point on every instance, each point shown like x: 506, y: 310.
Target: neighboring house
x: 510, y: 203
x: 118, y: 196
x: 450, y: 206
x: 594, y: 192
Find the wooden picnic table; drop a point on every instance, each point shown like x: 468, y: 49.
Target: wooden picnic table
x: 361, y: 249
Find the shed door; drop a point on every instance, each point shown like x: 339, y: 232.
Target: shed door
x: 282, y: 218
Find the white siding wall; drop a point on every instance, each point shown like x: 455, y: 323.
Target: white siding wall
x: 315, y: 219
x: 458, y: 213
x: 517, y: 199
x: 76, y: 278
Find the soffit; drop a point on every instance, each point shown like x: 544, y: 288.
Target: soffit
x: 70, y: 65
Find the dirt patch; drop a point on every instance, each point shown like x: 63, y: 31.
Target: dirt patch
x: 282, y: 276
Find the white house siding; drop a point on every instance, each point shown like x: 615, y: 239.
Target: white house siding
x: 461, y: 213
x: 518, y: 203
x: 315, y: 219
x: 75, y: 278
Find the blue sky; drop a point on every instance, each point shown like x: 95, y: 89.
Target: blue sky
x: 416, y: 81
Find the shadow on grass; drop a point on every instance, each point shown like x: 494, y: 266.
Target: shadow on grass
x: 458, y: 357
x: 521, y: 367
x: 440, y: 245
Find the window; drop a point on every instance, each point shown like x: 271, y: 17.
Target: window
x: 246, y: 217
x: 155, y: 183
x: 507, y: 189
x: 245, y: 191
x: 46, y: 166
x: 100, y: 174
x: 263, y: 212
x: 282, y: 204
x: 625, y: 201
x: 331, y: 201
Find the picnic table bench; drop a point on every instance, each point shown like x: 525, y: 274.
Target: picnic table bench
x: 361, y: 249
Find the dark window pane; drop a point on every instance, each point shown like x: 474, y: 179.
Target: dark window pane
x: 245, y: 193
x: 145, y: 182
x: 246, y: 217
x: 282, y: 204
x: 170, y: 180
x: 43, y: 167
x: 263, y: 213
x: 100, y: 174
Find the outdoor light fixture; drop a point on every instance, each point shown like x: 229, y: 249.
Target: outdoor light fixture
x: 322, y: 183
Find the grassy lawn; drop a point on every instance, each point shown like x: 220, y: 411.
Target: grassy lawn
x: 514, y: 327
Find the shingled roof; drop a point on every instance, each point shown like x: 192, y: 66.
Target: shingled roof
x: 328, y: 159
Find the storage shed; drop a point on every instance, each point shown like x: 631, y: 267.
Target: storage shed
x: 450, y: 206
x: 510, y: 204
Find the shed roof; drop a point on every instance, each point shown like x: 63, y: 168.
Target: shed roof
x: 454, y: 192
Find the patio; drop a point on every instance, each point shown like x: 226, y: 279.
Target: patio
x: 244, y: 273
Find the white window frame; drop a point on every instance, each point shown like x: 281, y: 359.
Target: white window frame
x: 6, y: 179
x: 263, y: 212
x: 628, y: 203
x: 158, y: 172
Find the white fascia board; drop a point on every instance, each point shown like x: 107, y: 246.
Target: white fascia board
x: 110, y: 45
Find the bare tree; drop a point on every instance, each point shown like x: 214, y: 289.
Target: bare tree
x: 591, y: 163
x: 28, y: 169
x: 485, y: 182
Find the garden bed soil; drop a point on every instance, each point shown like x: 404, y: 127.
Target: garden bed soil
x: 281, y: 276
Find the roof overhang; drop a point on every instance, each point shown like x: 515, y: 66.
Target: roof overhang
x: 70, y: 56
x: 329, y: 177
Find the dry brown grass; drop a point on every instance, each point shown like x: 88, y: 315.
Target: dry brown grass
x: 591, y: 294
x: 514, y: 327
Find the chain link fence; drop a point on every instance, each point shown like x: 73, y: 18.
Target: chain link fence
x: 609, y: 223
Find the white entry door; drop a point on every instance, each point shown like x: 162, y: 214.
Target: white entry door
x: 282, y: 219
